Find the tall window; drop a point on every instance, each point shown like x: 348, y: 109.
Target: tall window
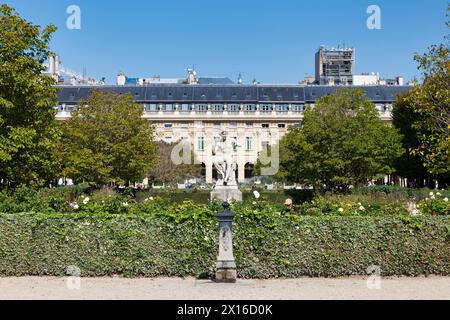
x: 298, y: 107
x: 201, y: 144
x: 234, y: 107
x: 266, y: 108
x: 185, y: 107
x: 217, y: 107
x: 201, y: 107
x: 282, y: 107
x: 249, y: 108
x: 151, y: 107
x: 169, y: 108
x: 248, y: 143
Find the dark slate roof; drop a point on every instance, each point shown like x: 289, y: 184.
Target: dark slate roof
x: 214, y: 81
x: 225, y: 93
x: 374, y: 93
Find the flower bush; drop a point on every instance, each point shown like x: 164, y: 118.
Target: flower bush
x: 435, y: 204
x: 347, y: 206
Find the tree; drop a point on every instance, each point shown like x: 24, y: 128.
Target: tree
x: 343, y: 142
x: 106, y: 141
x: 28, y: 129
x: 431, y: 102
x: 408, y: 165
x: 167, y: 171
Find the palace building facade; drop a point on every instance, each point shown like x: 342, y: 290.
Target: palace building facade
x: 256, y: 115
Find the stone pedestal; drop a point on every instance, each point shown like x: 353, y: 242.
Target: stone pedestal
x: 225, y: 266
x: 226, y: 193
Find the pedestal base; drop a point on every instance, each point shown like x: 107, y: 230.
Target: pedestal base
x: 226, y: 276
x: 226, y: 193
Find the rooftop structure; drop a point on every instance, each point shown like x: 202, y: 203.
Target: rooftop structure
x: 335, y: 66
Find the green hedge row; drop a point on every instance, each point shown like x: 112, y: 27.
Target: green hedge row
x: 266, y: 246
x: 203, y: 197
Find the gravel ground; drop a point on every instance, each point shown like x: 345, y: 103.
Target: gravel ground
x: 43, y: 288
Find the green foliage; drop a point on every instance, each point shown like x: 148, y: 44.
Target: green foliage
x: 28, y: 130
x: 200, y: 196
x: 167, y: 171
x: 343, y: 142
x: 107, y: 234
x: 431, y: 103
x: 435, y: 204
x: 182, y: 241
x: 106, y: 141
x: 408, y: 165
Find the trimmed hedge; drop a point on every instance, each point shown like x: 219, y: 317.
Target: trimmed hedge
x: 266, y: 245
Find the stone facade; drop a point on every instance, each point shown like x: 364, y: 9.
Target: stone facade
x: 257, y: 116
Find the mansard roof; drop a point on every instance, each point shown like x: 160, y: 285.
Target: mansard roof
x: 178, y: 93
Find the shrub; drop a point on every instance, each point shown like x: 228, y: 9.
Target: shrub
x: 156, y: 238
x: 436, y: 204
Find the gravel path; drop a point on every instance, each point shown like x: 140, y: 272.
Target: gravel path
x: 43, y: 288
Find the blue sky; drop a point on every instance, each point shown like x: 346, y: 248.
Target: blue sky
x: 273, y: 41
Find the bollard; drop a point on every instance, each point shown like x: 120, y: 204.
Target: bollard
x: 226, y: 266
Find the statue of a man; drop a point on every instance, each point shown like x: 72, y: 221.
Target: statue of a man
x: 223, y: 159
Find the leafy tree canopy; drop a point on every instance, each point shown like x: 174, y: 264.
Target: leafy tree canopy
x: 106, y: 141
x: 431, y: 102
x: 343, y: 142
x: 166, y: 170
x: 28, y: 129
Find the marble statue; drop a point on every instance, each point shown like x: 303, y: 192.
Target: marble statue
x: 223, y: 160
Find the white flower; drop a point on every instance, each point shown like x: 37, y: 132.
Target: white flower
x: 415, y: 212
x: 362, y: 208
x: 151, y: 198
x: 206, y: 238
x: 74, y: 206
x: 256, y: 194
x: 254, y: 202
x: 431, y: 193
x: 359, y: 204
x: 432, y: 197
x: 86, y: 200
x: 341, y: 210
x: 438, y: 194
x: 446, y: 199
x: 125, y: 204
